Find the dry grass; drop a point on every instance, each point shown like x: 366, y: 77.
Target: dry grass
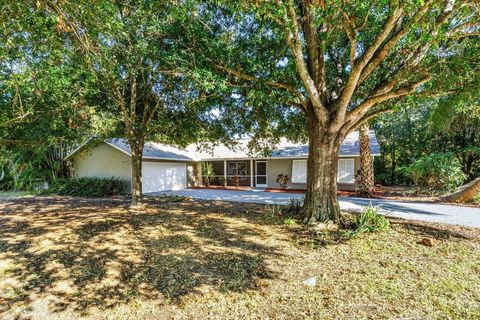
x: 65, y: 258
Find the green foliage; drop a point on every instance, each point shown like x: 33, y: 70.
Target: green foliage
x: 455, y: 127
x: 207, y: 173
x: 289, y: 221
x: 273, y: 212
x: 30, y: 170
x: 87, y: 187
x: 421, y: 127
x: 293, y: 209
x: 222, y: 181
x: 281, y: 214
x: 368, y: 221
x: 476, y: 199
x: 402, y: 136
x: 436, y: 172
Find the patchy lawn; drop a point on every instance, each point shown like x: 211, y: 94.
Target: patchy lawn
x: 65, y: 258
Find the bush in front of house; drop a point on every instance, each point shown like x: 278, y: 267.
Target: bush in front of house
x: 87, y: 187
x: 369, y: 220
x: 282, y: 180
x: 436, y: 172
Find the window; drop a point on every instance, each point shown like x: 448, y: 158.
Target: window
x: 345, y: 171
x: 237, y: 168
x: 299, y: 171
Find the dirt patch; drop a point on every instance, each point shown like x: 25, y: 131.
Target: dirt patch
x: 64, y: 258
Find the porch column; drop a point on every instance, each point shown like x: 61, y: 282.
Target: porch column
x: 251, y: 173
x: 225, y: 172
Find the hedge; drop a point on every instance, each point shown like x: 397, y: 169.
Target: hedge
x: 87, y: 187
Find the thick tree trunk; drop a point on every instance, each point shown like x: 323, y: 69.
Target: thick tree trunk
x: 137, y: 157
x: 321, y: 203
x: 465, y: 193
x: 366, y: 165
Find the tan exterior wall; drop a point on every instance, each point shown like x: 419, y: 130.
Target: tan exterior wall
x: 278, y: 166
x: 103, y: 161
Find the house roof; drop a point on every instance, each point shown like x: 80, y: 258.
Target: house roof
x: 349, y: 147
x: 240, y: 150
x: 154, y: 150
x: 285, y: 149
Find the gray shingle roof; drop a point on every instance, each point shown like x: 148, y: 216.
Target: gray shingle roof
x: 349, y: 147
x: 195, y: 152
x: 154, y: 150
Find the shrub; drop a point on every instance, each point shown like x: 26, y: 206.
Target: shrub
x: 368, y: 221
x: 236, y: 181
x: 222, y: 181
x: 476, y: 199
x: 288, y: 221
x: 207, y: 173
x: 273, y: 212
x: 436, y: 172
x: 282, y: 180
x: 294, y: 208
x: 87, y: 187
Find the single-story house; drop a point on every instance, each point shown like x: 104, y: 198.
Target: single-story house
x: 170, y: 168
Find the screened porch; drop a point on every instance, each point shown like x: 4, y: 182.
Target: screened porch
x: 251, y: 173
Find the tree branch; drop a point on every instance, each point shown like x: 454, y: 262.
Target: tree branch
x: 294, y: 42
x: 311, y: 39
x: 275, y: 84
x: 383, y: 93
x: 360, y: 64
x: 384, y: 51
x: 368, y: 117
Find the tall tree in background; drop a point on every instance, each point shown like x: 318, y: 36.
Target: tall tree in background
x: 366, y: 164
x: 335, y: 62
x: 444, y: 118
x: 44, y: 99
x: 133, y: 49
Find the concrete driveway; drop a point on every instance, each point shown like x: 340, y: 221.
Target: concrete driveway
x: 425, y: 211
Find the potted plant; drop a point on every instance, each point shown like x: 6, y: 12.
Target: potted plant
x: 282, y: 180
x: 223, y: 181
x: 236, y: 180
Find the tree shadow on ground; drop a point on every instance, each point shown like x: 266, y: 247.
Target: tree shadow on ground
x: 435, y: 230
x: 81, y: 254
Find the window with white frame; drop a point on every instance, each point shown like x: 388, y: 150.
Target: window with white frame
x: 346, y: 171
x: 237, y: 168
x: 299, y: 171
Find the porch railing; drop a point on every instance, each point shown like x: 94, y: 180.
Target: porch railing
x: 219, y: 180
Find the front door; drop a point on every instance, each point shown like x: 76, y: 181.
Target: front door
x: 261, y: 174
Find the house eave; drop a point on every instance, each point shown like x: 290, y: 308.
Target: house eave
x: 276, y: 158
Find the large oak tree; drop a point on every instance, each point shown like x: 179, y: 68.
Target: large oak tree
x: 336, y: 62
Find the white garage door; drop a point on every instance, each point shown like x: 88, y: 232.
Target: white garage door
x: 158, y: 176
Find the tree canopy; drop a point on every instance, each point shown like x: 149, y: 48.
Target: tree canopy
x: 319, y: 69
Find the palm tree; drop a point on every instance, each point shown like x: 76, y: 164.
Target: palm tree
x: 366, y: 166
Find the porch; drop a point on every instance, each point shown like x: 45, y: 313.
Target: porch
x: 251, y: 173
